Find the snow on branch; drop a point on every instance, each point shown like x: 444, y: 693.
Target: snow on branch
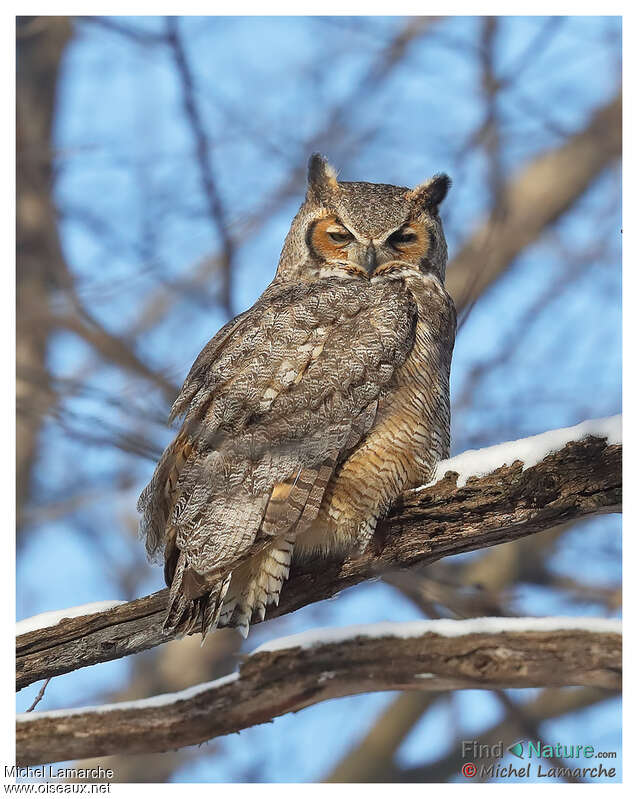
x: 530, y: 451
x: 448, y: 628
x: 479, y: 499
x: 53, y: 617
x: 295, y: 672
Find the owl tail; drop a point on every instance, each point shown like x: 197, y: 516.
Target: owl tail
x: 256, y: 585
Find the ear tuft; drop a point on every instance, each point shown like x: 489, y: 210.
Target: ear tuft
x: 431, y: 193
x: 322, y: 177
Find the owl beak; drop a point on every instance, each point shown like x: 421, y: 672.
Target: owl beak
x: 370, y: 261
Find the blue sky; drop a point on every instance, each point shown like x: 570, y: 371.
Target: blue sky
x: 133, y: 218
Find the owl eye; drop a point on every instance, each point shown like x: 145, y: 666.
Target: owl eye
x: 402, y: 237
x: 340, y: 237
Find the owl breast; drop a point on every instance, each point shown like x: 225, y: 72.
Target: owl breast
x: 410, y: 434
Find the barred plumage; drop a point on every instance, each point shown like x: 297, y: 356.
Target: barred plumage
x: 305, y: 416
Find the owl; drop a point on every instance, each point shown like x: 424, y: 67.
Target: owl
x: 308, y: 414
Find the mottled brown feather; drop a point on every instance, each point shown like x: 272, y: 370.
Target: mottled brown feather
x: 306, y: 415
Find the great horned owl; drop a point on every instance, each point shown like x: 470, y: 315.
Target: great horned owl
x: 308, y: 414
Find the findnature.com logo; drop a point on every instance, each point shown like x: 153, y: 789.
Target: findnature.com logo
x: 526, y: 749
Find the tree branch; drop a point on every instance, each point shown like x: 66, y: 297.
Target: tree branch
x: 370, y: 758
x: 299, y: 671
x: 40, y: 264
x: 534, y: 199
x: 581, y: 479
x: 204, y: 160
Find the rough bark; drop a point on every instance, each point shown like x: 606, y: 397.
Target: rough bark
x: 273, y: 683
x: 582, y: 479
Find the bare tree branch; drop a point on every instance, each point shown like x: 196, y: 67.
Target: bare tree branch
x: 560, y: 180
x: 537, y: 197
x: 113, y: 349
x: 581, y: 479
x: 297, y: 674
x: 203, y: 146
x: 331, y: 132
x: 40, y: 263
x: 370, y: 758
x: 529, y: 728
x: 39, y: 695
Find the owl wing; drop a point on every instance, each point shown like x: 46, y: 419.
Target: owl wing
x: 270, y: 407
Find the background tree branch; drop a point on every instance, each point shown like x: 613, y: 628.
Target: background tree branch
x: 532, y: 201
x: 41, y: 265
x: 551, y: 703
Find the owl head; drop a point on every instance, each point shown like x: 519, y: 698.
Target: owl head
x: 364, y: 230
